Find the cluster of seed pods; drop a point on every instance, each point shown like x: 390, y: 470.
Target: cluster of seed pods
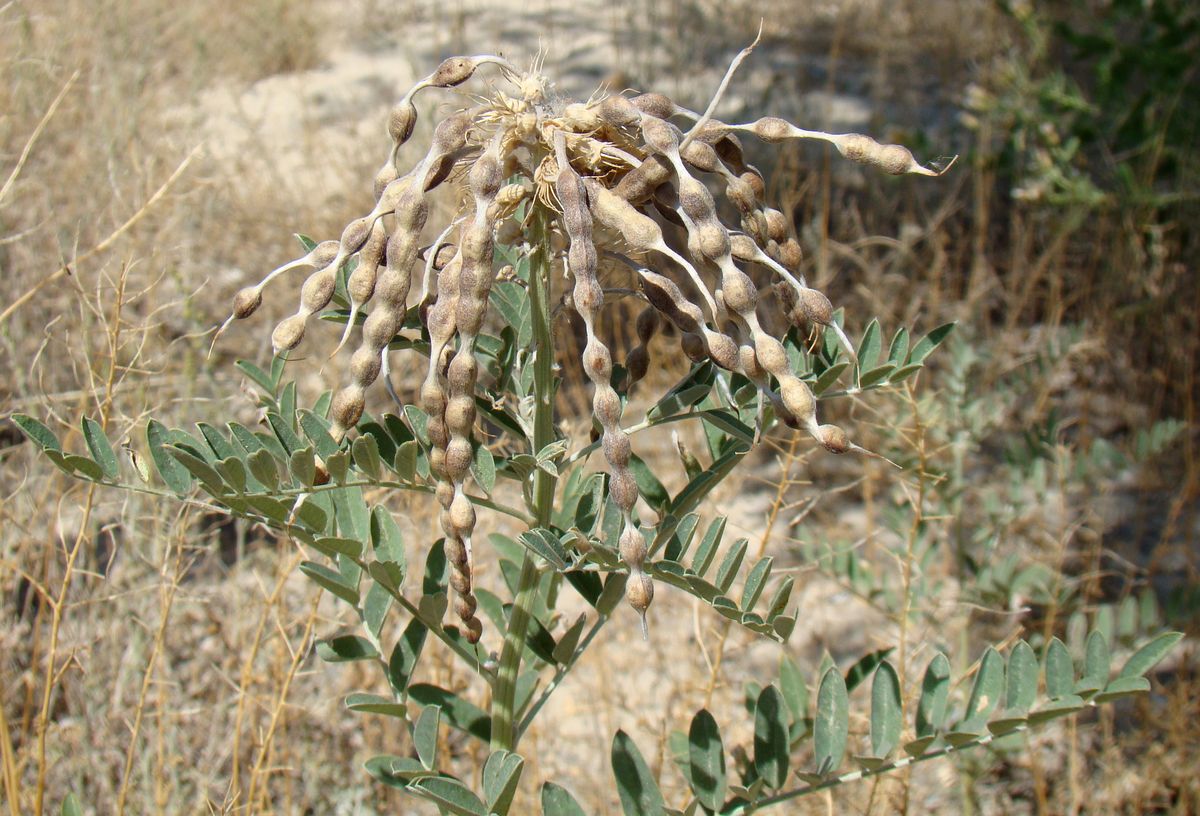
x: 615, y: 177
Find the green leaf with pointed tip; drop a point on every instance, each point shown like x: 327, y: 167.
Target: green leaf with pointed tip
x: 1123, y: 687
x: 706, y: 760
x: 546, y: 544
x: 868, y: 349
x: 730, y: 565
x: 317, y: 431
x: 771, y: 743
x: 282, y: 429
x: 557, y: 801
x: 199, y: 468
x: 899, y: 347
x: 376, y: 704
x: 1060, y: 674
x: 638, y: 792
x: 331, y: 581
x: 483, y: 468
x: 861, y: 670
x: 173, y: 473
x: 707, y: 550
x: 38, y: 433
x: 261, y: 378
x: 649, y: 486
x: 886, y: 711
x: 1059, y: 707
x: 1021, y: 691
x: 780, y: 598
x: 345, y: 649
x: 395, y: 771
x: 1095, y: 663
x: 457, y: 712
x: 449, y: 795
x: 876, y: 375
x: 501, y: 776
x: 985, y: 693
x: 929, y: 342
x: 755, y: 581
x: 828, y: 377
x: 935, y: 693
x: 795, y: 692
x: 832, y: 722
x: 405, y: 653
x: 100, y: 447
x: 70, y: 806
x: 1147, y: 657
x: 375, y: 608
x: 564, y: 650
x: 425, y: 735
x: 333, y: 546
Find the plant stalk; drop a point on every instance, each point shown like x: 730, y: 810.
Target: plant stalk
x: 504, y: 731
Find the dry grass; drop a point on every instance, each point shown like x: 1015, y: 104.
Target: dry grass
x: 154, y: 658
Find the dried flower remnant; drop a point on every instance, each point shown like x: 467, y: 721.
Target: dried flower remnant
x: 608, y: 178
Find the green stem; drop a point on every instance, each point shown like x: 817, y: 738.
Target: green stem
x: 504, y: 731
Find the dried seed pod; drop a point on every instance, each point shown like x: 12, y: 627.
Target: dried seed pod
x: 638, y: 361
x: 618, y: 111
x: 655, y: 104
x: 833, y: 439
x: 401, y: 120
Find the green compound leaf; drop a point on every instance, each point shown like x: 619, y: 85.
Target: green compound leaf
x: 706, y: 760
x: 832, y: 725
x: 425, y: 735
x: 174, y: 474
x: 771, y: 743
x: 886, y: 710
x: 1147, y: 657
x: 557, y: 801
x: 449, y: 795
x: 101, y: 448
x: 636, y: 787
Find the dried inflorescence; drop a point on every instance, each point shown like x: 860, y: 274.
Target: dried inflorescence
x: 607, y: 175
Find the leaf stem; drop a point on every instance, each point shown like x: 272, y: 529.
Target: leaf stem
x: 504, y: 731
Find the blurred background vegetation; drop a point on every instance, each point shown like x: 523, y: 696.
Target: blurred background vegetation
x: 158, y: 156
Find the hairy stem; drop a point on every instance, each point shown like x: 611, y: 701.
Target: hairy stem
x: 504, y: 732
